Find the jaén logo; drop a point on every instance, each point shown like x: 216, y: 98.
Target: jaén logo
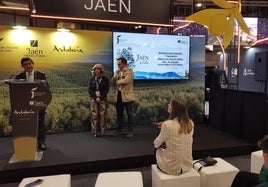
x: 34, y: 43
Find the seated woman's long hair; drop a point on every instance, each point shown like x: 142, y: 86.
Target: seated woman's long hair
x: 179, y: 111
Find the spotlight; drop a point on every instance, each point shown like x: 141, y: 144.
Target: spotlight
x: 138, y: 27
x: 33, y: 10
x: 19, y: 27
x: 63, y: 30
x: 198, y: 5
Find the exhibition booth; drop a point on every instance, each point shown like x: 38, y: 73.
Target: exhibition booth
x: 169, y: 60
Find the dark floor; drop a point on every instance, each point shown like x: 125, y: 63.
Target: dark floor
x: 84, y: 156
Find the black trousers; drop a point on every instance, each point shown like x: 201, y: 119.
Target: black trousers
x: 245, y: 179
x: 41, y: 126
x: 120, y: 106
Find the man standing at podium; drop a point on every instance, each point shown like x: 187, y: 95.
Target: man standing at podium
x: 30, y: 74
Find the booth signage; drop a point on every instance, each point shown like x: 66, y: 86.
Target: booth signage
x: 142, y: 11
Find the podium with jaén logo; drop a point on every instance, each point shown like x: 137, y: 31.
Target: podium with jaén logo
x: 26, y: 99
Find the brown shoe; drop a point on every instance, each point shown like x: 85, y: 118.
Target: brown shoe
x: 130, y: 135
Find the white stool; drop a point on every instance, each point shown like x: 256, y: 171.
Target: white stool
x: 256, y: 161
x: 120, y: 179
x: 63, y: 180
x: 219, y: 175
x: 160, y: 179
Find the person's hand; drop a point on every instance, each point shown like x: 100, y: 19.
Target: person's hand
x: 117, y: 74
x: 159, y: 124
x: 98, y: 100
x: 118, y: 71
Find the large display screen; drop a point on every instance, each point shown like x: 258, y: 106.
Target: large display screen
x: 160, y: 57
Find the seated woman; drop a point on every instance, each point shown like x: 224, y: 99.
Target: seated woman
x: 176, y: 134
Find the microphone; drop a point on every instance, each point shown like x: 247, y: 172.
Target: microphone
x: 11, y: 77
x: 7, y: 80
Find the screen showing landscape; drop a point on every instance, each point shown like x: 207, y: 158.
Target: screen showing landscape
x: 159, y: 57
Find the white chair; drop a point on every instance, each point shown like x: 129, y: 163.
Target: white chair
x: 119, y: 179
x: 160, y: 179
x: 63, y: 180
x: 219, y: 175
x: 256, y: 161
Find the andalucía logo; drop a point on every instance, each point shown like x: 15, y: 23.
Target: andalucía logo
x: 24, y: 112
x: 68, y: 49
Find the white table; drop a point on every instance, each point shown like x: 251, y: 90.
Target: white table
x: 63, y: 180
x: 159, y: 179
x: 219, y: 175
x: 119, y: 179
x: 256, y: 161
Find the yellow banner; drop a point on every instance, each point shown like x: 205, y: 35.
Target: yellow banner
x: 50, y: 46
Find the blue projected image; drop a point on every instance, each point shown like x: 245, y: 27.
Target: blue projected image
x: 160, y: 57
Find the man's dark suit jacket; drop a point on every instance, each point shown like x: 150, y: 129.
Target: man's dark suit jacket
x: 37, y: 75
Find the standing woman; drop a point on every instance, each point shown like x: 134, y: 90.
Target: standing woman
x: 98, y: 88
x: 174, y: 143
